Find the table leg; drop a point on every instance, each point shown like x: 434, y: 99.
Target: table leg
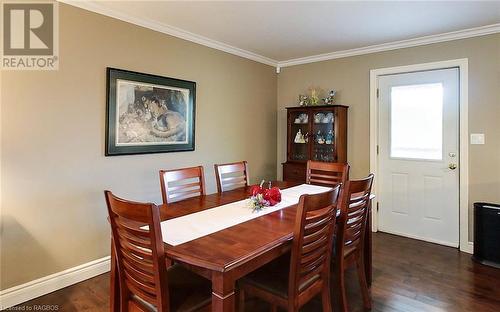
x: 223, y: 292
x: 368, y: 246
x: 114, y: 290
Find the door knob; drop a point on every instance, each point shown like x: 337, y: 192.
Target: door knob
x: 452, y: 166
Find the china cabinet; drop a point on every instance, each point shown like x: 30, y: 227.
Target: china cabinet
x: 314, y: 133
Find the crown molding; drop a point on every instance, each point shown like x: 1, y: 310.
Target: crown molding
x: 189, y: 36
x: 449, y: 36
x: 171, y: 30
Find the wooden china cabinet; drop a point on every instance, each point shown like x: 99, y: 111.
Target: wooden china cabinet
x: 314, y: 133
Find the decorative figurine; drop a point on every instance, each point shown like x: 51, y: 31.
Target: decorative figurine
x: 318, y: 118
x: 329, y: 137
x: 301, y: 119
x: 330, y: 117
x: 299, y: 137
x: 319, y: 138
x: 330, y: 100
x: 303, y: 100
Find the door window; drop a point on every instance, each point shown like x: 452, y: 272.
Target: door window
x: 416, y: 124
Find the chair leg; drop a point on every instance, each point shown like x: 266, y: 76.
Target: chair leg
x: 325, y: 298
x: 274, y: 308
x: 339, y: 288
x: 365, y: 291
x: 114, y: 287
x: 124, y: 301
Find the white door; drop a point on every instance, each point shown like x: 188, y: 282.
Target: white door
x: 418, y: 155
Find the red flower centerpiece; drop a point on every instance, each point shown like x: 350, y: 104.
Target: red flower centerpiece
x: 261, y: 197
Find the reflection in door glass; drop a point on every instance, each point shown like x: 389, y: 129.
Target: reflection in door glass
x: 417, y: 121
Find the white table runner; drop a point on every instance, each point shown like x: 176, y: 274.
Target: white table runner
x: 190, y: 227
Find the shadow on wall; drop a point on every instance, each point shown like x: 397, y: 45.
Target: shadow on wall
x: 27, y: 250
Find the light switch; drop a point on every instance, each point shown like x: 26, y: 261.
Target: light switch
x: 477, y: 138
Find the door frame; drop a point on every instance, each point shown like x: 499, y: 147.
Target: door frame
x: 463, y: 67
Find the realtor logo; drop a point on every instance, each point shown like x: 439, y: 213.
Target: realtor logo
x: 30, y: 36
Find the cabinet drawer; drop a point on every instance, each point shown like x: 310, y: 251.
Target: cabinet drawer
x: 294, y: 172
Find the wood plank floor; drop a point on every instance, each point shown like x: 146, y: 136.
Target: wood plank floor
x: 409, y: 275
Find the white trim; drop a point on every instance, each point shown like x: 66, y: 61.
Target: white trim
x: 465, y: 244
x: 428, y: 240
x: 463, y: 66
x: 171, y: 30
x: 469, y: 249
x: 1, y: 215
x: 189, y: 36
x: 449, y: 36
x: 39, y: 287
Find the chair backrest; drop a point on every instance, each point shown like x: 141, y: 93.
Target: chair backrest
x: 231, y: 176
x: 182, y: 183
x: 312, y: 242
x: 140, y: 253
x: 355, y: 201
x: 326, y: 174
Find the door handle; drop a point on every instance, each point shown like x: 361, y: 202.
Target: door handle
x: 452, y: 166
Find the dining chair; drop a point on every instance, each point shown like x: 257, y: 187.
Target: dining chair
x: 231, y: 176
x: 326, y: 174
x: 179, y: 184
x: 293, y: 279
x: 145, y: 282
x: 354, y: 205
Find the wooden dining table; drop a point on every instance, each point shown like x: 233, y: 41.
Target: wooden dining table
x: 227, y: 255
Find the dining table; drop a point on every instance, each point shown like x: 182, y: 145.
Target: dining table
x: 225, y: 256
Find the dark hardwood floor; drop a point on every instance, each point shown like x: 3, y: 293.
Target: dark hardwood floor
x: 409, y: 275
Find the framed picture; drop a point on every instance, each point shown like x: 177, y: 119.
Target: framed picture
x: 148, y: 114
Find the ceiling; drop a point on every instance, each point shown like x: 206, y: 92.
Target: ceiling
x: 278, y: 31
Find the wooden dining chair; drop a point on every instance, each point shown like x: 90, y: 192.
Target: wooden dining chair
x: 144, y: 279
x: 292, y: 280
x: 179, y: 184
x: 326, y: 174
x: 231, y: 176
x: 354, y: 205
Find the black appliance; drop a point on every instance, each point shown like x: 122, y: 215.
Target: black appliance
x: 487, y: 234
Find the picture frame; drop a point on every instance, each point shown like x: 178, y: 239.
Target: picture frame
x: 148, y: 113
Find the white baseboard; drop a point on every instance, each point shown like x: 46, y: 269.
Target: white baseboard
x: 469, y: 248
x: 39, y: 287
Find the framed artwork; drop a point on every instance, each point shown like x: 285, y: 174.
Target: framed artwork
x: 148, y: 114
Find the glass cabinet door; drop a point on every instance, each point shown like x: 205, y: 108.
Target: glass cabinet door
x: 323, y: 136
x: 300, y: 136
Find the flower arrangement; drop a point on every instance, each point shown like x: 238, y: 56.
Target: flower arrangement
x: 312, y: 99
x: 261, y: 197
x: 314, y: 96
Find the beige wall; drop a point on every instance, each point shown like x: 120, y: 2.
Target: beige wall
x: 350, y: 76
x: 52, y: 126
